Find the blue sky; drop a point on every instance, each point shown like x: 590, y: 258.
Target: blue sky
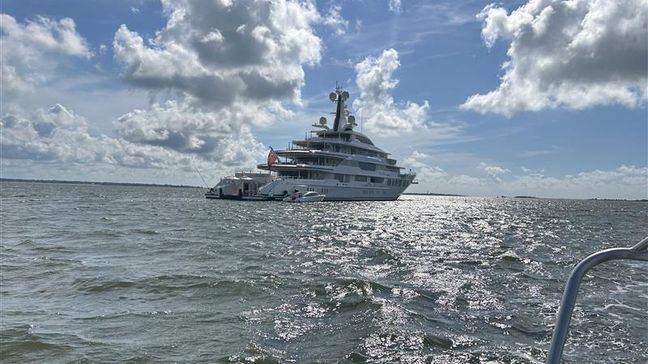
x: 566, y: 116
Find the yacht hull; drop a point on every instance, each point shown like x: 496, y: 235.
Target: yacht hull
x: 333, y: 190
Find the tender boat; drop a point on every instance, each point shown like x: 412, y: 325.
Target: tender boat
x: 241, y: 186
x: 309, y: 196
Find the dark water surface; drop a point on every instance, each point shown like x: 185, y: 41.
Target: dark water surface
x: 146, y: 274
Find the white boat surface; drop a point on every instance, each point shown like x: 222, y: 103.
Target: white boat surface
x: 310, y: 196
x: 240, y: 186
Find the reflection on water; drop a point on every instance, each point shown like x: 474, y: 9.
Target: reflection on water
x: 134, y: 273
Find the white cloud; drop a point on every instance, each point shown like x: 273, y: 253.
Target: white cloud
x: 333, y: 18
x: 532, y: 171
x: 220, y: 52
x: 213, y: 76
x: 395, y: 6
x: 493, y: 171
x: 58, y: 135
x: 425, y: 172
x: 216, y: 70
x: 435, y: 179
x: 30, y: 52
x: 217, y: 137
x: 573, y: 54
x: 45, y: 34
x: 625, y: 181
x: 376, y: 107
x: 629, y: 182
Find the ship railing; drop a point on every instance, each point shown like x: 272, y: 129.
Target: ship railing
x: 561, y: 328
x: 297, y: 147
x: 305, y: 164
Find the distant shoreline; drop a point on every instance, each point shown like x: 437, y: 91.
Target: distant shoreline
x: 95, y: 183
x: 432, y: 194
x: 522, y: 197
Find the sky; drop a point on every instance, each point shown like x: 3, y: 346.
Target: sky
x: 543, y: 98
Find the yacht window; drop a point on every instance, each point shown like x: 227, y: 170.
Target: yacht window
x: 342, y: 177
x: 364, y: 139
x: 367, y: 166
x: 361, y: 178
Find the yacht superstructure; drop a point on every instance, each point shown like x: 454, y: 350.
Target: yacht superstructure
x: 338, y: 162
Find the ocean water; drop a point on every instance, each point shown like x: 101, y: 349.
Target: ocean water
x: 94, y: 273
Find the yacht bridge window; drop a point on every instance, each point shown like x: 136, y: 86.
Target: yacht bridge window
x: 364, y: 139
x: 367, y: 166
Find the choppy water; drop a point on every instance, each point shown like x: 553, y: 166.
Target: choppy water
x: 113, y: 273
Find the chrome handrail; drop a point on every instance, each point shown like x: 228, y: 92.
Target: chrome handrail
x: 561, y: 328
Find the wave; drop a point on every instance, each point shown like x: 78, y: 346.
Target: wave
x: 167, y: 284
x: 20, y: 344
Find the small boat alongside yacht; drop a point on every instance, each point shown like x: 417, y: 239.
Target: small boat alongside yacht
x: 338, y: 163
x: 310, y: 196
x: 240, y: 186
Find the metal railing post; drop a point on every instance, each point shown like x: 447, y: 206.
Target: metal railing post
x: 561, y: 328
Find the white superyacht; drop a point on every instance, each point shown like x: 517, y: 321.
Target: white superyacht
x: 339, y: 163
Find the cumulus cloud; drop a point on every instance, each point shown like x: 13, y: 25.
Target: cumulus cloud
x: 572, y: 54
x: 30, y: 51
x: 146, y: 139
x: 216, y: 70
x: 58, y: 135
x: 220, y: 52
x: 213, y: 136
x: 376, y: 106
